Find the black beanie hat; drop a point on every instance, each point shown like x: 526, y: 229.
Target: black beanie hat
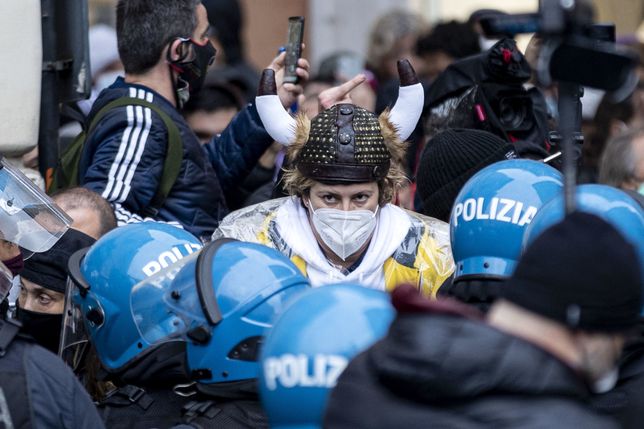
x: 450, y: 159
x: 49, y: 269
x: 582, y: 273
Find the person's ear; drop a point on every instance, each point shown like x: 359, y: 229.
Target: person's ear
x: 177, y: 51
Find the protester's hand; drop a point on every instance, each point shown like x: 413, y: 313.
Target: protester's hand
x: 289, y: 92
x: 341, y: 93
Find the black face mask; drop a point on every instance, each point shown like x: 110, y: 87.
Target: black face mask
x: 43, y: 327
x: 192, y: 73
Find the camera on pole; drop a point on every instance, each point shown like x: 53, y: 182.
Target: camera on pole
x: 575, y: 52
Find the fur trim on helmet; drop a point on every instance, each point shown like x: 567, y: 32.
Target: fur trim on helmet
x: 397, y: 147
x: 302, y: 130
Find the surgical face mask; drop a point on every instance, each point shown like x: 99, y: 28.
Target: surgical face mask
x: 641, y: 189
x: 343, y: 231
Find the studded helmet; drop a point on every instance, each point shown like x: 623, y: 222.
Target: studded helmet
x: 344, y: 143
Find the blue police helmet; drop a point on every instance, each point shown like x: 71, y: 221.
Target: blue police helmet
x: 104, y: 277
x: 221, y: 302
x: 310, y: 345
x: 611, y: 204
x: 492, y: 211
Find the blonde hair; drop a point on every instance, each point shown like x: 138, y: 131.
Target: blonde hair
x: 297, y: 184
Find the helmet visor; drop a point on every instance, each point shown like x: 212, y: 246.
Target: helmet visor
x: 28, y: 217
x: 74, y: 340
x: 167, y: 305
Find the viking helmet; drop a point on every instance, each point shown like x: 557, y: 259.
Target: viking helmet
x: 344, y: 143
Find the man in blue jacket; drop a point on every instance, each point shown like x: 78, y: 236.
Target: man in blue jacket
x: 165, y: 51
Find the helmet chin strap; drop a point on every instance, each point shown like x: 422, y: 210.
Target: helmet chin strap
x: 181, y: 93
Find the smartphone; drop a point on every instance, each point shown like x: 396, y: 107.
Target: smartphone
x: 293, y: 48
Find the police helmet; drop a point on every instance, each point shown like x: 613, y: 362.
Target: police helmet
x: 102, y: 276
x: 491, y: 212
x: 611, y: 204
x: 311, y: 343
x: 220, y: 301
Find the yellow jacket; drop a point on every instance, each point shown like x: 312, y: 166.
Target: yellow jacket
x: 423, y: 258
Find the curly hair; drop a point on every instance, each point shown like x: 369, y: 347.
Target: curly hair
x: 297, y: 184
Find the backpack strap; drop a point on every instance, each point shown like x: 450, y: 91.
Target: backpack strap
x: 173, y: 156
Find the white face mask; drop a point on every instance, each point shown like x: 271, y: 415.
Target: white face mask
x: 344, y: 231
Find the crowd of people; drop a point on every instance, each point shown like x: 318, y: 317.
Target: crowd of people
x: 383, y: 243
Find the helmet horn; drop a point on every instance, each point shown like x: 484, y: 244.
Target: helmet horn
x: 277, y: 122
x: 409, y: 106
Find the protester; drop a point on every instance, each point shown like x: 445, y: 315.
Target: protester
x: 339, y: 224
x: 555, y: 335
x: 311, y: 343
x: 627, y: 216
x: 449, y: 160
x: 36, y: 388
x: 611, y: 120
x: 42, y: 289
x: 622, y: 162
x: 338, y: 68
x: 91, y: 213
x: 488, y: 222
x: 443, y: 44
x: 393, y: 36
x: 209, y: 111
x: 166, y: 52
x: 166, y: 343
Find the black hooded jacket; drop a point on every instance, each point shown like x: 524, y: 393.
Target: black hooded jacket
x: 437, y: 370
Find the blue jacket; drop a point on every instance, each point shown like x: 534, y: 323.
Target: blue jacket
x: 40, y: 391
x: 123, y: 161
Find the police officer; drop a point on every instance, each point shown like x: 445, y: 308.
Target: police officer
x: 624, y: 401
x: 310, y: 345
x: 179, y: 341
x: 36, y: 388
x: 488, y: 221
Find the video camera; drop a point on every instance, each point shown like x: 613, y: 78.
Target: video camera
x: 574, y: 48
x: 574, y: 52
x: 486, y: 92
